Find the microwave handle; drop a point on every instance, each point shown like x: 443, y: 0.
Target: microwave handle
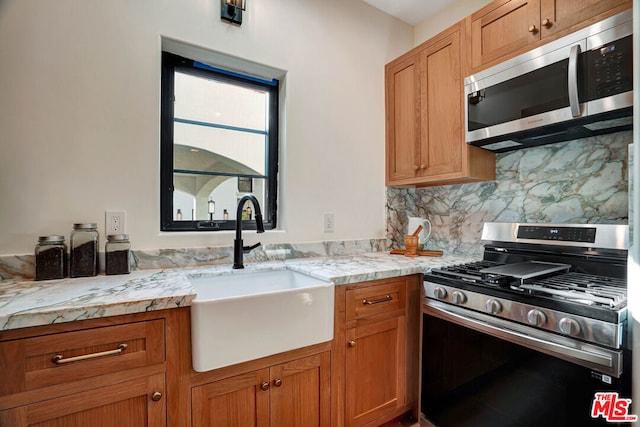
x: 574, y: 101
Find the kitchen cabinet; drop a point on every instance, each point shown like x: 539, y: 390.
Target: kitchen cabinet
x: 294, y: 393
x: 138, y: 402
x: 377, y: 350
x: 505, y: 28
x: 425, y: 117
x: 84, y: 373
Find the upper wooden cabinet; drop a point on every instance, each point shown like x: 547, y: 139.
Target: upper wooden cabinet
x: 425, y: 117
x: 505, y: 28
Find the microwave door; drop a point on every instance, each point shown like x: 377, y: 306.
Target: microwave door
x: 533, y: 99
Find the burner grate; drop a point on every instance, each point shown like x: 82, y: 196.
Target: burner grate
x: 584, y: 288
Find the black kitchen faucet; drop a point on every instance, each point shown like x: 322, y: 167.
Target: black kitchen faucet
x: 238, y: 249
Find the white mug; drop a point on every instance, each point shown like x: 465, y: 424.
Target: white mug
x: 424, y: 234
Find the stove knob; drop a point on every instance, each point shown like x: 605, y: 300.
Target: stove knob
x: 440, y: 293
x: 493, y: 306
x: 536, y: 317
x: 458, y: 297
x: 569, y: 326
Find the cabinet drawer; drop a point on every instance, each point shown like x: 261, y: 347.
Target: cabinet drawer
x: 36, y: 362
x: 367, y: 301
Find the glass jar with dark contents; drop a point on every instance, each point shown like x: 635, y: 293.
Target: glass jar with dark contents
x: 83, y: 255
x: 51, y: 258
x: 116, y: 254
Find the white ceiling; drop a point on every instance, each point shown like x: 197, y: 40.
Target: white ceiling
x: 412, y: 12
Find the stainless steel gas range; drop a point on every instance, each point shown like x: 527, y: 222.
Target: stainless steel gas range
x: 543, y: 313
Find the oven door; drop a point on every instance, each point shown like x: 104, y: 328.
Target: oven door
x: 479, y: 370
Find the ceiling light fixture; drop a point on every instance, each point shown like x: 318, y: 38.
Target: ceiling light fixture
x: 231, y: 10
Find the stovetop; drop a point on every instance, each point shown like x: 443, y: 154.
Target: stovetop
x: 579, y: 288
x: 566, y: 279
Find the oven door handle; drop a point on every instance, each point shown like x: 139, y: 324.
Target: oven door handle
x: 602, y: 360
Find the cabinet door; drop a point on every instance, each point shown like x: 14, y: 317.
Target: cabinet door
x: 442, y: 139
x: 133, y: 403
x: 403, y: 118
x: 375, y: 370
x: 240, y: 401
x: 502, y: 28
x: 558, y: 15
x: 301, y: 392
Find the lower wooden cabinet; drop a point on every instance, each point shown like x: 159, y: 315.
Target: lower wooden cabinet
x: 108, y: 372
x: 291, y: 394
x: 376, y: 351
x: 135, y: 403
x: 376, y: 373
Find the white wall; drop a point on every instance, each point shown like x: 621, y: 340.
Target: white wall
x: 79, y: 112
x: 445, y: 18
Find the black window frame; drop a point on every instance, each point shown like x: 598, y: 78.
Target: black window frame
x: 172, y: 63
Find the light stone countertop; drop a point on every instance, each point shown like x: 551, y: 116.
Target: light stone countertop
x: 34, y: 303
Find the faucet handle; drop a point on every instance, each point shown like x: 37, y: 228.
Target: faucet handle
x: 247, y: 249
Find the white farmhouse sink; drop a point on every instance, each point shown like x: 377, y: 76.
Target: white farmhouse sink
x: 250, y: 314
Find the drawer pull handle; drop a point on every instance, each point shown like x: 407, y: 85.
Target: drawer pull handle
x: 377, y: 301
x: 59, y: 359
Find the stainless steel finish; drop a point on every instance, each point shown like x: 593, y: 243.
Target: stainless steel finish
x: 536, y: 317
x: 591, y: 330
x: 572, y: 75
x: 601, y: 359
x: 458, y: 297
x: 440, y: 292
x: 595, y: 35
x: 59, y: 359
x: 608, y: 236
x: 493, y: 306
x: 569, y: 326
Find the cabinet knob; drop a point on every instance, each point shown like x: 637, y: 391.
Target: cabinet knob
x: 547, y: 23
x: 423, y: 166
x: 416, y: 167
x: 264, y: 385
x: 533, y: 29
x: 277, y: 382
x: 352, y: 343
x: 156, y: 396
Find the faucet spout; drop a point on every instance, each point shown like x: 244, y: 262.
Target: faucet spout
x: 238, y: 248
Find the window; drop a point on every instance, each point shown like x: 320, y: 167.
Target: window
x: 219, y: 141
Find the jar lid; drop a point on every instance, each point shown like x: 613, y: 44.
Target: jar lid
x: 118, y: 237
x: 51, y: 239
x: 85, y: 225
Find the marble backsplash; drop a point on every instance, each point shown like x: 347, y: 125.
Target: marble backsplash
x: 581, y: 181
x: 23, y: 267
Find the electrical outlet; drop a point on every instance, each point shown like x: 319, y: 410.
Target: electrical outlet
x: 329, y: 222
x: 115, y: 222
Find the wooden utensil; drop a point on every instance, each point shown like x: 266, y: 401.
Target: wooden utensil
x: 418, y: 230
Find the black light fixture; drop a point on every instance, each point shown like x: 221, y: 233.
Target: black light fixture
x: 231, y: 10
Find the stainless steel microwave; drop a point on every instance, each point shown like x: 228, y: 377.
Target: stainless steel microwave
x: 578, y: 86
